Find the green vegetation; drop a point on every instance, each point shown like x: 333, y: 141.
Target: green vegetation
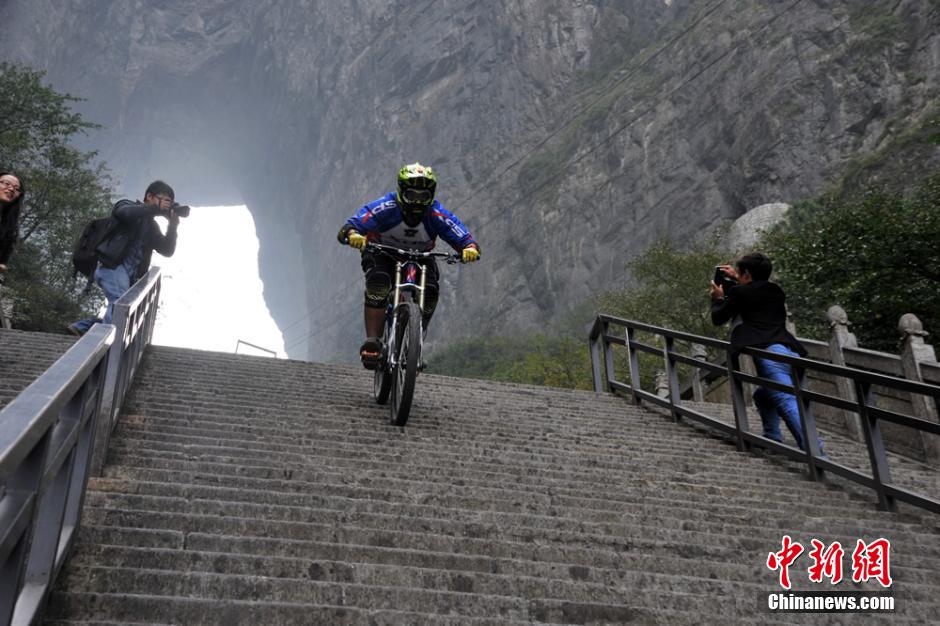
x: 902, y: 161
x: 875, y: 254
x: 541, y: 359
x: 668, y: 288
x: 64, y: 189
x: 875, y: 28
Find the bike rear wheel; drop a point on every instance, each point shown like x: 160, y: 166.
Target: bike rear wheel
x: 408, y: 347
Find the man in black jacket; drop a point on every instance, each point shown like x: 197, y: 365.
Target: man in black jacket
x: 760, y: 306
x: 124, y: 253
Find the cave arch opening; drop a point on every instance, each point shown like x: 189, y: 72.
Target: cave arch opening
x: 212, y: 296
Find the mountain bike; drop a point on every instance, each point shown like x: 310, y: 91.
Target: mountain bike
x: 403, y: 337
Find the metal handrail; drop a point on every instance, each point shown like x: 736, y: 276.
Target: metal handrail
x: 601, y: 341
x: 241, y: 342
x: 46, y: 443
x: 135, y: 314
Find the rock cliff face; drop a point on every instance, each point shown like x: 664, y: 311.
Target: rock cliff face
x: 567, y: 135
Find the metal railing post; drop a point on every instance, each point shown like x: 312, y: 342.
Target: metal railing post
x: 634, y: 361
x: 610, y: 374
x: 880, y: 471
x: 738, y: 405
x: 593, y: 346
x: 698, y: 390
x: 672, y: 377
x: 807, y: 422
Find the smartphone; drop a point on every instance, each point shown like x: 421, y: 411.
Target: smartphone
x: 719, y: 278
x: 723, y: 280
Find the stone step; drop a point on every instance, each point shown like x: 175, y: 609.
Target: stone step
x: 154, y: 467
x: 406, y: 463
x: 313, y: 567
x: 221, y: 533
x: 377, y: 597
x: 122, y: 608
x: 269, y: 491
x: 255, y: 411
x: 646, y: 510
x: 675, y: 463
x: 687, y: 461
x: 514, y: 555
x: 25, y: 356
x: 426, y: 502
x: 310, y: 449
x: 273, y: 557
x: 854, y: 456
x: 474, y: 535
x: 905, y: 471
x: 459, y: 473
x: 279, y: 427
x: 845, y: 452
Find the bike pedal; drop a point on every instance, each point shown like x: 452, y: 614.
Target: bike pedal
x: 370, y: 360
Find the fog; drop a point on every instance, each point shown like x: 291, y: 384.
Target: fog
x: 212, y: 293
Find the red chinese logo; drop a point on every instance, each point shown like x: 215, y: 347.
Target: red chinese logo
x: 869, y: 561
x: 826, y: 563
x: 872, y: 561
x: 783, y: 559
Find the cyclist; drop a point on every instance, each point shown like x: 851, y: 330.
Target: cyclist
x: 410, y: 219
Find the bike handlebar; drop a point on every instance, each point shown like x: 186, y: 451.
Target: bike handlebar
x: 449, y: 257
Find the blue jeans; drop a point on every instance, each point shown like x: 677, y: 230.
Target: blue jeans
x: 114, y: 282
x: 774, y: 405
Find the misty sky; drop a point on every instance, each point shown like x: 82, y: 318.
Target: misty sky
x: 212, y: 293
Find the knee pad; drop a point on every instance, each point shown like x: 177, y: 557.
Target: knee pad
x: 430, y: 302
x: 378, y: 286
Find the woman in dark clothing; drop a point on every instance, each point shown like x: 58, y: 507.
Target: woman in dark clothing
x: 11, y: 199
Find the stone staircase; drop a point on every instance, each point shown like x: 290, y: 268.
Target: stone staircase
x: 24, y: 356
x: 905, y: 471
x: 257, y: 491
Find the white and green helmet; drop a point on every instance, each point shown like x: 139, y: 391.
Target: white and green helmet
x: 416, y: 186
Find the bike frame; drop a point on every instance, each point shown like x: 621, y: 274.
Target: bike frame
x: 397, y: 371
x: 414, y: 280
x: 410, y: 276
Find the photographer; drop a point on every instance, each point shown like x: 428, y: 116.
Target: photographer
x: 124, y: 252
x: 760, y: 306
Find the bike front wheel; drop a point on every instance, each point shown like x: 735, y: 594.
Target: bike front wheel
x: 408, y: 346
x: 382, y: 381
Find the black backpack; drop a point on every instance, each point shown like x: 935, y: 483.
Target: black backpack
x: 85, y: 254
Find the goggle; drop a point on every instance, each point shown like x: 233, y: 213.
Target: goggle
x: 417, y: 196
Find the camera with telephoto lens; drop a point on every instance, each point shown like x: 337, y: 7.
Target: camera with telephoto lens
x: 181, y: 209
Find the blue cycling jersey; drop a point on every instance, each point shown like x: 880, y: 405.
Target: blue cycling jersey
x: 382, y: 221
